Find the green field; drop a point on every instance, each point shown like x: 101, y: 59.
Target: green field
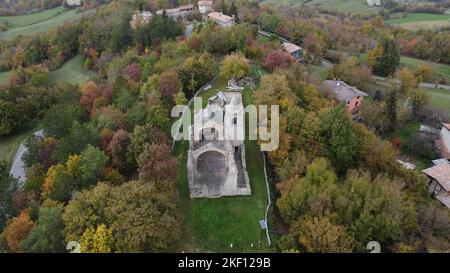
x: 4, y: 76
x: 440, y: 98
x: 345, y: 6
x: 10, y: 144
x: 414, y: 21
x: 442, y: 70
x: 212, y: 225
x: 72, y: 72
x: 46, y: 25
x: 32, y: 18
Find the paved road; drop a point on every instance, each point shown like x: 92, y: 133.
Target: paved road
x: 18, y: 166
x: 422, y: 84
x: 188, y: 31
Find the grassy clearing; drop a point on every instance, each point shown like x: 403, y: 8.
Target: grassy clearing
x: 346, y: 6
x: 406, y: 132
x: 46, y: 25
x: 10, y: 144
x: 400, y: 18
x: 442, y: 70
x: 32, y: 18
x: 440, y: 98
x: 319, y: 71
x: 211, y: 225
x: 72, y: 72
x: 4, y: 76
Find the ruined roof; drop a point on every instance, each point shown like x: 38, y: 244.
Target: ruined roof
x: 186, y: 7
x: 343, y: 91
x: 291, y: 48
x: 444, y: 197
x: 205, y: 3
x: 446, y: 125
x: 220, y: 17
x: 440, y: 173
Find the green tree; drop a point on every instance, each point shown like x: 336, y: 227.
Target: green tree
x: 47, y: 234
x: 389, y: 60
x: 338, y: 138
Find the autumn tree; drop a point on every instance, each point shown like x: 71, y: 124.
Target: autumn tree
x: 318, y: 234
x: 17, y: 230
x: 235, y: 65
x: 97, y: 240
x: 156, y: 163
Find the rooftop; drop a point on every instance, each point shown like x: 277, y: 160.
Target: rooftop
x: 343, y: 91
x: 291, y: 48
x: 441, y: 173
x: 446, y: 125
x: 205, y: 3
x: 220, y: 17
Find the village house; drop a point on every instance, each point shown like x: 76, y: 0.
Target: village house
x: 181, y: 11
x: 374, y: 2
x: 445, y: 136
x: 221, y: 19
x: 73, y: 3
x: 439, y: 180
x: 205, y: 7
x: 140, y: 18
x: 294, y: 50
x: 351, y: 96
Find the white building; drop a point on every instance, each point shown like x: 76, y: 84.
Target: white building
x: 73, y: 3
x: 221, y: 19
x: 181, y: 11
x: 374, y: 2
x: 445, y: 135
x: 140, y: 18
x: 205, y: 6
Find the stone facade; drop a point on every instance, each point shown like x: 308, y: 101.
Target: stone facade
x: 216, y: 160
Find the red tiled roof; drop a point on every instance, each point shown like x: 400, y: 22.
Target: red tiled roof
x: 441, y: 173
x: 446, y: 125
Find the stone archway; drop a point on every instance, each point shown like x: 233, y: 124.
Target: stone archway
x: 212, y: 171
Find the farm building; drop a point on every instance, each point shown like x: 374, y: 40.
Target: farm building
x: 181, y: 11
x: 445, y: 136
x: 294, y: 50
x: 205, y: 6
x: 140, y: 18
x: 221, y: 19
x: 351, y: 96
x: 74, y: 3
x: 439, y: 180
x: 374, y: 2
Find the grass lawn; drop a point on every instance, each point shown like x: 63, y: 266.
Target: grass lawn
x: 10, y: 144
x: 440, y: 98
x: 346, y: 6
x: 438, y: 68
x: 414, y: 21
x: 4, y: 76
x: 73, y: 72
x: 46, y: 25
x: 32, y: 18
x: 211, y: 225
x: 406, y: 132
x: 319, y: 71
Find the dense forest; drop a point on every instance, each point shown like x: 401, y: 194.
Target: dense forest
x: 104, y: 173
